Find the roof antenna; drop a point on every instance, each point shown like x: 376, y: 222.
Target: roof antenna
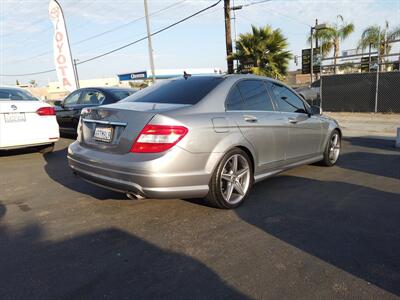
x: 186, y: 75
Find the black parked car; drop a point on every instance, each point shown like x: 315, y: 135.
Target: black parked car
x: 69, y: 110
x: 311, y: 93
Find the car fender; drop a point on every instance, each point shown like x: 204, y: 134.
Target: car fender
x: 330, y: 126
x: 233, y: 140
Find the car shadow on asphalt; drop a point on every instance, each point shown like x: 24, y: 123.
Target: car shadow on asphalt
x: 354, y: 228
x: 375, y: 143
x: 68, y: 135
x: 22, y: 151
x: 58, y: 170
x: 372, y: 163
x: 106, y: 264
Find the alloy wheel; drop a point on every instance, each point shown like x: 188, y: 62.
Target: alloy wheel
x: 235, y: 178
x: 334, y: 148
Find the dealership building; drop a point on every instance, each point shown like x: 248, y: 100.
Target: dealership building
x: 55, y: 91
x: 165, y: 74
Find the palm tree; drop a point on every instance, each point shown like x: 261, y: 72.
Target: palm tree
x: 265, y: 49
x: 375, y: 37
x: 331, y: 37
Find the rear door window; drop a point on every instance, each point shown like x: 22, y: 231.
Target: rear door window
x: 235, y: 100
x: 92, y: 97
x: 177, y: 91
x: 286, y: 100
x: 255, y: 95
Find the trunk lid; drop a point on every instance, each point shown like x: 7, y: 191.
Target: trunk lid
x: 25, y: 106
x: 120, y: 122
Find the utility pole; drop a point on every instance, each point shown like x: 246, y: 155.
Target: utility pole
x: 316, y: 28
x: 228, y: 36
x: 377, y: 72
x: 311, y: 56
x: 316, y: 45
x: 146, y: 12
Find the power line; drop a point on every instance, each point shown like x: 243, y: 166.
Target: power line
x: 129, y: 23
x: 38, y: 21
x: 255, y: 3
x: 289, y: 17
x: 42, y: 33
x: 277, y: 12
x: 101, y: 33
x: 124, y: 46
x: 154, y: 33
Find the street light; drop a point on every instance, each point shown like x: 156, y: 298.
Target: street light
x: 237, y: 7
x: 76, y: 73
x: 316, y: 28
x: 151, y: 57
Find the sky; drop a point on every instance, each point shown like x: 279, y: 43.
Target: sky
x: 26, y: 32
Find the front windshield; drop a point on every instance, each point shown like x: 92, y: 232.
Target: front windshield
x: 16, y: 94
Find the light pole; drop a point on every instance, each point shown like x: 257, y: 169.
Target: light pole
x: 234, y: 8
x: 316, y: 28
x: 146, y: 12
x: 76, y: 74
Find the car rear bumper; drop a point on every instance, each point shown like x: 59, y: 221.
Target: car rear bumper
x: 175, y: 174
x: 34, y: 131
x: 35, y: 144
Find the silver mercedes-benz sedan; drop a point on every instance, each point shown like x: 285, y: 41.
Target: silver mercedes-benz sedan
x: 205, y: 136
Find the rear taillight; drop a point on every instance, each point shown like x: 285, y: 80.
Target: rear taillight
x: 46, y: 111
x: 158, y: 138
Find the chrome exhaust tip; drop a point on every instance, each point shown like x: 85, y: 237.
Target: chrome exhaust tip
x: 133, y: 196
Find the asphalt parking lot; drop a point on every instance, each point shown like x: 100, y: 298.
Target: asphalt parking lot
x: 310, y: 233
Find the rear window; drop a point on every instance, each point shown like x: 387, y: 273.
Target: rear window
x: 121, y: 94
x: 177, y: 91
x: 15, y: 94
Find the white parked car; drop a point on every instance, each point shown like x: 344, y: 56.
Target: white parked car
x: 26, y: 121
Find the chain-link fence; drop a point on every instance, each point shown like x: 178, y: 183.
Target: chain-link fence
x: 362, y: 92
x: 370, y: 82
x: 388, y: 99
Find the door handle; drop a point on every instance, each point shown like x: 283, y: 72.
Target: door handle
x: 251, y: 119
x: 292, y: 121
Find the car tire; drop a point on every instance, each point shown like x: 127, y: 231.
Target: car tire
x: 332, y: 149
x: 47, y: 148
x: 231, y: 181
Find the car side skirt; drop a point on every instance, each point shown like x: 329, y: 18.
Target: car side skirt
x: 307, y: 161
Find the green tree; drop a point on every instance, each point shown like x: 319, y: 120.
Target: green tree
x: 375, y: 37
x: 331, y: 37
x: 265, y: 49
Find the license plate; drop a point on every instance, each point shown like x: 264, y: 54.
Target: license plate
x: 14, y: 117
x: 103, y: 134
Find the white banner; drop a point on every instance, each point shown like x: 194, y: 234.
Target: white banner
x: 62, y: 53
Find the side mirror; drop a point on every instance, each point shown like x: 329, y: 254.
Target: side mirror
x: 316, y: 110
x: 58, y: 103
